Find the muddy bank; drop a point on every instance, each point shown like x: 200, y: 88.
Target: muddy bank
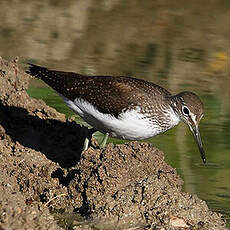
x: 122, y: 186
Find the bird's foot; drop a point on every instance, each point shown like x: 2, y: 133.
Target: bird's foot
x: 102, y: 145
x: 104, y: 141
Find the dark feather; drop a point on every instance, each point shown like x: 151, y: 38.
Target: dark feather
x: 109, y: 94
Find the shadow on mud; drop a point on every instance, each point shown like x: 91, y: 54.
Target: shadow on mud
x: 61, y: 142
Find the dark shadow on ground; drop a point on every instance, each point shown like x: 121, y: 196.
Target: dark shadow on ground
x: 61, y: 142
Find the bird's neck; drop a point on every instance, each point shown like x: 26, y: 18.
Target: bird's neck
x: 175, y: 106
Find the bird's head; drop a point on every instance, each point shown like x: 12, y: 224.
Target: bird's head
x: 190, y: 110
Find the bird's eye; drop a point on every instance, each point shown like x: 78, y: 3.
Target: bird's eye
x: 185, y: 110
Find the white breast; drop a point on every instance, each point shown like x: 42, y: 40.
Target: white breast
x: 130, y: 125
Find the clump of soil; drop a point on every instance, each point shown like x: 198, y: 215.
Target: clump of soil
x: 131, y: 185
x: 121, y: 186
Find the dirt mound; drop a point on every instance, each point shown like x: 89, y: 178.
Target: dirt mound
x: 121, y: 186
x: 131, y: 185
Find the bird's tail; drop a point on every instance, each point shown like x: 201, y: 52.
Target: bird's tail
x: 55, y: 79
x: 37, y: 71
x: 59, y: 81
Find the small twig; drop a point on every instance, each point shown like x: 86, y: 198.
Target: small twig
x: 133, y: 228
x: 63, y: 194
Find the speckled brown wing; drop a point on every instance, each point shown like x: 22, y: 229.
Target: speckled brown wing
x: 108, y: 94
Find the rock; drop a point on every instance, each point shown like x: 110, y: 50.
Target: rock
x: 177, y: 222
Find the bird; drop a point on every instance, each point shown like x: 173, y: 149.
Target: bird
x: 124, y: 107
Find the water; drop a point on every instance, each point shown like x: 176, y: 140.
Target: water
x: 176, y: 46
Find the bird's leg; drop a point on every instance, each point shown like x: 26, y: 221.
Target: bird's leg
x: 86, y: 144
x: 103, y: 143
x: 88, y: 137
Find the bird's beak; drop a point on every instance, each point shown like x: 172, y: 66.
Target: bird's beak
x: 196, y: 133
